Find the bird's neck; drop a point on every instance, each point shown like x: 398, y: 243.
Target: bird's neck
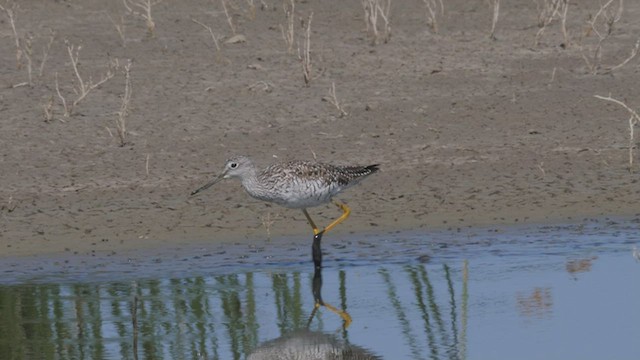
x: 251, y: 183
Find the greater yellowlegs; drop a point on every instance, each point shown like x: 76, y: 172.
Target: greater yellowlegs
x: 295, y: 184
x: 298, y: 185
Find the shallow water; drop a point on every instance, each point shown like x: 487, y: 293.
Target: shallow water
x: 549, y: 292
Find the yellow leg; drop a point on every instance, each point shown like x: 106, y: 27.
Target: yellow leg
x: 345, y: 214
x: 313, y: 225
x: 343, y: 314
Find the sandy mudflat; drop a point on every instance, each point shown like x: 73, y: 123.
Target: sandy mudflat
x: 468, y: 130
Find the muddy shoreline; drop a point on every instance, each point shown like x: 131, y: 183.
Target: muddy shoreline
x: 468, y: 131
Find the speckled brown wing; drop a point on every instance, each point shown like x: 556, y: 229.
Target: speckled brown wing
x: 343, y: 176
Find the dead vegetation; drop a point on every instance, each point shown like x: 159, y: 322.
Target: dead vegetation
x: 379, y: 32
x: 219, y: 58
x: 121, y: 120
x: 47, y: 109
x: 602, y: 26
x: 30, y: 60
x: 120, y: 28
x: 10, y: 12
x: 142, y: 9
x: 213, y: 36
x: 267, y: 222
x: 550, y: 11
x: 495, y: 5
x: 435, y: 10
x: 228, y: 16
x: 305, y: 55
x: 288, y: 31
x: 24, y: 47
x: 9, y: 206
x: 599, y: 28
x: 634, y: 119
x: 333, y: 100
x: 83, y: 86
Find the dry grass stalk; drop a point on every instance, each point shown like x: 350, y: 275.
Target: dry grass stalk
x: 268, y: 221
x: 563, y: 23
x: 120, y: 29
x: 313, y: 153
x: 548, y: 11
x: 62, y: 99
x: 84, y: 87
x: 10, y: 205
x: 602, y: 25
x: 28, y: 54
x: 603, y: 22
x: 633, y: 54
x: 24, y: 47
x: 288, y: 34
x: 252, y: 9
x: 494, y: 19
x: 384, y: 14
x: 45, y: 52
x: 432, y: 13
x: 368, y: 13
x: 145, y: 6
x: 553, y: 76
x: 541, y: 168
x: 333, y: 99
x: 305, y: 57
x: 634, y: 119
x: 121, y: 121
x: 373, y: 9
x: 228, y: 16
x: 146, y: 165
x: 264, y: 5
x: 213, y: 36
x: 47, y: 110
x: 11, y: 15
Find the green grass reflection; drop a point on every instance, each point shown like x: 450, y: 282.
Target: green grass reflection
x: 229, y: 316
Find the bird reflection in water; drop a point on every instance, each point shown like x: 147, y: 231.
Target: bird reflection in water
x: 305, y: 344
x: 316, y: 253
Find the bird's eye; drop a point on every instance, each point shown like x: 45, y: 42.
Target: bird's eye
x: 233, y: 165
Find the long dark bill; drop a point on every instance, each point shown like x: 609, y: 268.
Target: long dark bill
x: 207, y: 185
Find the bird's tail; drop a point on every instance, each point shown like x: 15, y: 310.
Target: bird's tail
x: 372, y: 168
x: 359, y: 172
